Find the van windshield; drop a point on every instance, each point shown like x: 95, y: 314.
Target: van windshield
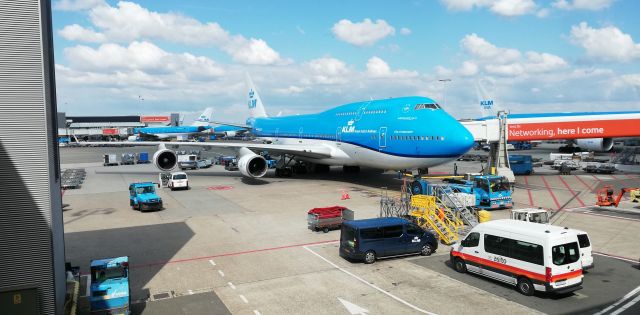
x: 565, y: 254
x: 180, y: 176
x: 498, y: 184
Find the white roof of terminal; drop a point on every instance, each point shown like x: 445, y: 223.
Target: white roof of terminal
x: 106, y: 125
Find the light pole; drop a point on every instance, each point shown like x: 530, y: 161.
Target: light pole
x: 444, y: 84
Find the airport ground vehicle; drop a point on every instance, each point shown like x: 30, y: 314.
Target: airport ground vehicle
x: 531, y: 256
x: 110, y: 160
x: 491, y: 191
x: 186, y: 161
x: 178, y: 180
x: 573, y: 165
x: 521, y: 164
x: 603, y: 168
x: 521, y: 145
x: 143, y: 158
x: 329, y: 218
x: 586, y: 255
x: 535, y: 215
x: 127, y: 159
x: 371, y: 239
x: 605, y: 196
x: 142, y: 196
x: 110, y: 292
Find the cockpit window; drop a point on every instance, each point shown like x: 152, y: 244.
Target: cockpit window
x: 427, y: 106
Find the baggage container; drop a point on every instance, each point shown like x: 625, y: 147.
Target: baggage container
x: 329, y: 218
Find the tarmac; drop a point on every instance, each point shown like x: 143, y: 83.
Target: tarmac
x: 240, y: 246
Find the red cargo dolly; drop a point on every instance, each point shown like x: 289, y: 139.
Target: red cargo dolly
x: 329, y: 218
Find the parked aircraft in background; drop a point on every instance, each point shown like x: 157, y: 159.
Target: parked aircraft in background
x: 200, y: 125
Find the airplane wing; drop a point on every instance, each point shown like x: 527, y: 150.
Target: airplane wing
x: 310, y: 151
x: 230, y: 124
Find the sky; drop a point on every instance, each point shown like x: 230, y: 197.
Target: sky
x: 527, y: 56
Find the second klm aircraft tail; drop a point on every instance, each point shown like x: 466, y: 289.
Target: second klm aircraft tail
x: 254, y: 102
x: 205, y: 118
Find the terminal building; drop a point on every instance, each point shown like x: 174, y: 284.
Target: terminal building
x: 109, y: 127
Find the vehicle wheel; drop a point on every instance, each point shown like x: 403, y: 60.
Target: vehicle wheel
x: 369, y: 257
x: 525, y: 286
x: 326, y: 230
x: 427, y: 250
x: 460, y: 265
x: 278, y: 173
x: 416, y: 188
x: 139, y: 207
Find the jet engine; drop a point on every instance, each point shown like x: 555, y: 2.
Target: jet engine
x: 165, y: 160
x: 251, y: 164
x: 229, y: 134
x: 596, y: 144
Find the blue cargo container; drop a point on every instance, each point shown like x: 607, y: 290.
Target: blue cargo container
x: 521, y: 164
x: 143, y: 158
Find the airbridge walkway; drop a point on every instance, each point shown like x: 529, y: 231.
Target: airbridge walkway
x: 558, y: 126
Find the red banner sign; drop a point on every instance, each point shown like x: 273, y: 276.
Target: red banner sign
x: 110, y: 131
x: 155, y: 119
x: 575, y: 129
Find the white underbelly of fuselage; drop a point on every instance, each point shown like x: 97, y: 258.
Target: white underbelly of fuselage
x: 349, y: 154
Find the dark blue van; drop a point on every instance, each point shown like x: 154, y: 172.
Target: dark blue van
x: 383, y: 237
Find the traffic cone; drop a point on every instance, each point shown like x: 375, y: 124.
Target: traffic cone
x: 345, y: 195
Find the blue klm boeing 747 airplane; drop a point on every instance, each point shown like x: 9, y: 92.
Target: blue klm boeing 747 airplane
x: 406, y: 133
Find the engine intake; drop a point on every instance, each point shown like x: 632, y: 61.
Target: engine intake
x: 165, y: 160
x: 251, y: 164
x: 596, y: 144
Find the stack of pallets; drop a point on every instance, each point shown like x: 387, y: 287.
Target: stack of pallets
x: 72, y: 178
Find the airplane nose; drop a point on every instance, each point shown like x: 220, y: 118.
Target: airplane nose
x: 463, y: 140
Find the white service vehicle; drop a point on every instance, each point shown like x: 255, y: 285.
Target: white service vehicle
x: 530, y: 256
x: 178, y: 180
x: 535, y: 215
x: 586, y: 255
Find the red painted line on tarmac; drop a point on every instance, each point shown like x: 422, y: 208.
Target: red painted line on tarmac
x: 613, y: 176
x: 598, y: 180
x: 606, y: 216
x: 229, y: 254
x: 526, y: 182
x: 551, y: 193
x: 571, y: 190
x: 583, y: 183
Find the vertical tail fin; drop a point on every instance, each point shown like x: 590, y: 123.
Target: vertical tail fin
x: 254, y: 102
x: 485, y: 90
x: 204, y: 118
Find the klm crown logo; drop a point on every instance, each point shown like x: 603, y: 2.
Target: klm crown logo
x: 251, y: 93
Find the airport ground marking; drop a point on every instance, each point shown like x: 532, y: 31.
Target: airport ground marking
x: 605, y: 215
x: 212, y: 262
x: 230, y: 254
x: 598, y: 180
x: 627, y: 259
x: 88, y: 284
x: 582, y: 181
x: 553, y: 196
x: 367, y: 283
x: 571, y: 190
x: 626, y: 306
x: 526, y: 182
x: 231, y: 285
x: 256, y: 312
x: 221, y: 273
x: 624, y: 298
x: 244, y: 299
x: 612, y: 176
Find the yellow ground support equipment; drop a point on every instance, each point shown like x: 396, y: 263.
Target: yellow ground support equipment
x: 429, y: 212
x: 635, y: 195
x: 484, y: 216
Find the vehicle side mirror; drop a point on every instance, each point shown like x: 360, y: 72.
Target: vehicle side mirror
x: 158, y: 185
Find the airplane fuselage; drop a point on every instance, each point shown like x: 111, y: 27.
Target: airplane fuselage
x: 399, y: 133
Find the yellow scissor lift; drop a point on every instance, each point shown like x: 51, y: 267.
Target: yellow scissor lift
x: 430, y: 212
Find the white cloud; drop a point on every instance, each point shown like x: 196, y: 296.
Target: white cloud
x: 607, y: 43
x: 479, y: 48
x: 468, y: 68
x: 499, y: 7
x: 328, y: 70
x: 76, y: 32
x: 76, y: 5
x: 405, y: 31
x: 129, y: 21
x: 593, y: 5
x: 140, y: 57
x: 378, y: 68
x: 363, y: 33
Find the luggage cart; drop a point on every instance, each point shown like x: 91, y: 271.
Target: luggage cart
x: 330, y: 218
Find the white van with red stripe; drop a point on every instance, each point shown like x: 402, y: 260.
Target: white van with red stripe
x: 531, y: 256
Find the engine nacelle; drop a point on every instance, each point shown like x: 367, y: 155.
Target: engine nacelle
x: 165, y: 160
x: 230, y: 133
x: 251, y: 164
x: 596, y: 144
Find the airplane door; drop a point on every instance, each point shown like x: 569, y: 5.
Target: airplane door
x: 338, y: 134
x: 275, y: 133
x: 382, y: 136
